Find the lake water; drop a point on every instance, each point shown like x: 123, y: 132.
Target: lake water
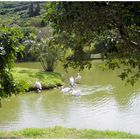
x: 105, y: 104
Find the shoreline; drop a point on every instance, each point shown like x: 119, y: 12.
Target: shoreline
x: 45, y: 88
x: 26, y: 78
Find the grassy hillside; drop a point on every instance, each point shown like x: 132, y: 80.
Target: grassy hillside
x: 17, y: 13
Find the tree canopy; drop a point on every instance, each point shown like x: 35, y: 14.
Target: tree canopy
x: 86, y: 25
x: 10, y: 38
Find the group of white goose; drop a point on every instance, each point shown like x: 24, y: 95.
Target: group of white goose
x: 70, y: 90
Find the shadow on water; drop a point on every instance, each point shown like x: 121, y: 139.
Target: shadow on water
x: 9, y: 111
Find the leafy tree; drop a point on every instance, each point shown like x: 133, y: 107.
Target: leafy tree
x: 114, y: 24
x: 9, y: 47
x: 26, y: 54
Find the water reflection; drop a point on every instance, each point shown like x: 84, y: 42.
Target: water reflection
x: 8, y: 111
x: 105, y: 103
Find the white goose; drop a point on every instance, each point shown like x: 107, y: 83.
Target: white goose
x: 75, y: 92
x: 72, y: 82
x: 78, y: 78
x: 66, y: 89
x: 38, y: 86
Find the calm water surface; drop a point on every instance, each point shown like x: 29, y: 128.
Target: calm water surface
x: 105, y: 104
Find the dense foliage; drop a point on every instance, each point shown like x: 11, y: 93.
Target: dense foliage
x: 114, y: 26
x: 9, y: 47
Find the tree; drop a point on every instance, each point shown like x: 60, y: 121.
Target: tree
x: 34, y: 10
x: 37, y: 10
x: 31, y: 10
x: 50, y: 53
x: 9, y: 48
x: 26, y: 54
x: 116, y: 24
x: 47, y: 49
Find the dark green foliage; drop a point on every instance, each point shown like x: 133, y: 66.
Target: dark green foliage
x: 114, y: 25
x: 43, y: 23
x: 34, y: 9
x: 9, y: 47
x: 31, y: 10
x: 37, y: 10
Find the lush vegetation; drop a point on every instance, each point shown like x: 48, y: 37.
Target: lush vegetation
x: 60, y: 132
x: 114, y: 26
x: 29, y: 17
x: 25, y: 78
x: 79, y: 28
x: 18, y: 21
x: 74, y: 27
x: 9, y: 48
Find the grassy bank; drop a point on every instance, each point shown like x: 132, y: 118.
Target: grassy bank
x: 60, y: 132
x: 27, y: 77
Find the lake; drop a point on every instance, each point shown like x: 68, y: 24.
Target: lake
x: 106, y: 103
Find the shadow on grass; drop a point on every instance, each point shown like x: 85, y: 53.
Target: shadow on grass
x: 43, y: 74
x: 24, y: 71
x: 40, y: 75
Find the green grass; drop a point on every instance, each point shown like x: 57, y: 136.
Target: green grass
x: 29, y: 76
x: 60, y: 132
